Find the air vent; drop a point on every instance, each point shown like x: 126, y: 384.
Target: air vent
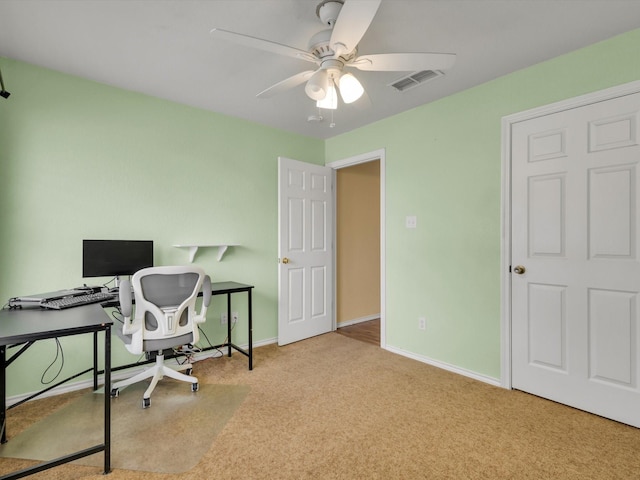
x: 415, y: 79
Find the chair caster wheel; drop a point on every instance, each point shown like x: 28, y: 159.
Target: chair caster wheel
x: 189, y: 371
x: 115, y: 392
x: 194, y: 387
x: 146, y: 402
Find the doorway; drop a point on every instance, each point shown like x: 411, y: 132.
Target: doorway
x: 359, y: 239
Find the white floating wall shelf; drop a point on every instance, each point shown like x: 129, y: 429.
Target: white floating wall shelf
x: 222, y: 248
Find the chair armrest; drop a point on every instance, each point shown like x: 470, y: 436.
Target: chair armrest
x: 126, y: 307
x: 206, y: 300
x: 124, y: 294
x: 206, y: 291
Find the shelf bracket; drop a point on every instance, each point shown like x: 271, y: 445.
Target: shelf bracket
x: 193, y: 249
x: 221, y: 250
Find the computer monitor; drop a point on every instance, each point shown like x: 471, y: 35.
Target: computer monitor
x: 115, y: 258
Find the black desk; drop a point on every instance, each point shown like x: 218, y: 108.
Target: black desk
x: 217, y: 288
x: 229, y: 288
x: 23, y: 327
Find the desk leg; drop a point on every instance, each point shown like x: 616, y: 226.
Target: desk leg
x: 95, y: 361
x: 3, y: 393
x: 107, y: 399
x: 250, y: 306
x: 229, y: 323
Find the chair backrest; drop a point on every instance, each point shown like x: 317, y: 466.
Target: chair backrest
x: 165, y: 307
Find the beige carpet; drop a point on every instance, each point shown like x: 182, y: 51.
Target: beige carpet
x: 169, y: 437
x: 335, y: 408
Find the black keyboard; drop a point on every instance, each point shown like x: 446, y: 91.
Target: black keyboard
x: 76, y: 300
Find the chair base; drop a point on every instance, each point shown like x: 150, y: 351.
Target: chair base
x: 156, y: 373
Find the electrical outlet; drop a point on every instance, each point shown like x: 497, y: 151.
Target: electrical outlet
x: 422, y: 323
x: 223, y: 318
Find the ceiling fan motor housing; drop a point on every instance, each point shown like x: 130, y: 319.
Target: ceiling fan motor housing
x: 319, y: 46
x: 328, y: 10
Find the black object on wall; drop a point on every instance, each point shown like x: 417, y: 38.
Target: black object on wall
x: 3, y: 92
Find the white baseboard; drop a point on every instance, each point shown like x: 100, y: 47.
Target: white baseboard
x: 355, y: 321
x: 126, y: 373
x: 445, y: 366
x: 262, y: 343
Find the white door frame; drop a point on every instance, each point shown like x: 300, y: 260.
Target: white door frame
x: 505, y: 205
x: 349, y: 162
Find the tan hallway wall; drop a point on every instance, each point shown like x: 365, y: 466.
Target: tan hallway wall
x: 358, y: 241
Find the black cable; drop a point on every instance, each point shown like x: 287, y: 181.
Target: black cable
x: 59, y: 353
x: 228, y: 338
x: 209, y: 342
x: 205, y: 336
x: 117, y: 315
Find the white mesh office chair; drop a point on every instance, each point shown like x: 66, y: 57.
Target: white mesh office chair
x: 165, y: 318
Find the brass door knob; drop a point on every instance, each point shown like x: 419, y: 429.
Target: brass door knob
x: 285, y: 260
x: 519, y: 269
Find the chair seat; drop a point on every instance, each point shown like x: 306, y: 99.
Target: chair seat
x: 159, y: 344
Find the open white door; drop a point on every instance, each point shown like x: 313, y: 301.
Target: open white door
x: 305, y: 238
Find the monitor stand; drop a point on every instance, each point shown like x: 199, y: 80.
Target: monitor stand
x: 116, y: 288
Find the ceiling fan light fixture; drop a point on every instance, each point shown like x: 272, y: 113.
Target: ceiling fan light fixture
x: 330, y: 101
x: 317, y: 86
x: 350, y: 88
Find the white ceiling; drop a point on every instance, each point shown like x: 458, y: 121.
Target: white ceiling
x: 163, y: 48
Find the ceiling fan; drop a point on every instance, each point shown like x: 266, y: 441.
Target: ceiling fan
x: 335, y: 49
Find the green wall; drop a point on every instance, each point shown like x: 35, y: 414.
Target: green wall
x: 443, y: 164
x: 132, y: 166
x: 83, y: 160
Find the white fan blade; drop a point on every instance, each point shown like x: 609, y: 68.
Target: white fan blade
x: 352, y: 22
x: 286, y: 84
x: 404, y: 62
x: 262, y: 44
